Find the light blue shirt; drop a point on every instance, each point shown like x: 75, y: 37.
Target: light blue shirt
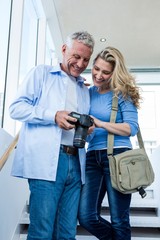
x: 101, y: 108
x: 40, y: 96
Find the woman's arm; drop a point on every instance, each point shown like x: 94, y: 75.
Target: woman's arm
x: 122, y: 129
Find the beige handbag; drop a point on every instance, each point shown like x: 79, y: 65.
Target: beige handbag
x: 130, y: 171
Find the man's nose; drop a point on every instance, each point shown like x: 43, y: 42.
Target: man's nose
x: 81, y: 63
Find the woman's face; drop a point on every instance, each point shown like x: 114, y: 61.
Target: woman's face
x: 101, y: 73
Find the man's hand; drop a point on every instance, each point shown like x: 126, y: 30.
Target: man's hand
x: 62, y: 119
x: 85, y: 83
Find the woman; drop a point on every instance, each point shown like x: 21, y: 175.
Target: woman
x: 110, y: 76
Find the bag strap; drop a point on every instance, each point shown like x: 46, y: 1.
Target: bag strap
x: 110, y: 141
x: 112, y: 119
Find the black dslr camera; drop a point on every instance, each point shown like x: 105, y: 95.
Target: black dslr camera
x: 83, y: 123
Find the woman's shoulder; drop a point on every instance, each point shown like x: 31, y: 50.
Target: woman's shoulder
x: 92, y: 90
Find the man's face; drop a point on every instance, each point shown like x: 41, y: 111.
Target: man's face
x: 75, y: 58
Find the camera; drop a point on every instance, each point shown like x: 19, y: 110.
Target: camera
x: 83, y: 123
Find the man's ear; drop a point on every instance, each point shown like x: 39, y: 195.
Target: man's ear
x: 64, y: 48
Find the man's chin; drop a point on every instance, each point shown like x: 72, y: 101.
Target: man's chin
x: 75, y: 74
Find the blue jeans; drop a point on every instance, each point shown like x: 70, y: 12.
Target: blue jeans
x: 97, y: 183
x: 54, y: 205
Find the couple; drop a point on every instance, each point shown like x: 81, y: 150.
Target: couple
x: 64, y: 182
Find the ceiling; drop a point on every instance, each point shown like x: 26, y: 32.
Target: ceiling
x: 132, y: 26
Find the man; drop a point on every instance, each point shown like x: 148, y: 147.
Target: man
x: 45, y: 153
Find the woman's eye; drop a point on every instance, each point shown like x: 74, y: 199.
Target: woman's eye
x: 107, y: 73
x: 96, y: 68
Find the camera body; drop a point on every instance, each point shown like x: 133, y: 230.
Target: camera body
x: 83, y: 123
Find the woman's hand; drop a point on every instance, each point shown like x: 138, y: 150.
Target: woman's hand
x: 91, y: 129
x: 97, y: 122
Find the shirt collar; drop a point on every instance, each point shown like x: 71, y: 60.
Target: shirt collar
x: 57, y: 68
x: 80, y: 81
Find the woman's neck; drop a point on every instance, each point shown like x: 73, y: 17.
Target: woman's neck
x: 103, y: 90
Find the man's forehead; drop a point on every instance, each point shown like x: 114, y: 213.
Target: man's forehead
x: 80, y: 47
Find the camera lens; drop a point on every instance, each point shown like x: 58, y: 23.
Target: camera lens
x: 80, y: 137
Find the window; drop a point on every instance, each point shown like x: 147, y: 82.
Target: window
x: 149, y: 118
x: 29, y: 43
x: 29, y: 39
x: 50, y: 55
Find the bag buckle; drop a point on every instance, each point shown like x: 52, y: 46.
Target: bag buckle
x: 142, y: 192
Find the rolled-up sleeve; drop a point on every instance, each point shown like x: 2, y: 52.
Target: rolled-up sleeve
x: 129, y: 115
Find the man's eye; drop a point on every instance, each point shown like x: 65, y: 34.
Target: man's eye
x: 76, y: 56
x: 86, y: 60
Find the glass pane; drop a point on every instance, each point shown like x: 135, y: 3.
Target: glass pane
x: 29, y: 39
x: 28, y: 44
x: 50, y: 57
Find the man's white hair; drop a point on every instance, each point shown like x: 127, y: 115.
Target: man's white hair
x: 81, y: 36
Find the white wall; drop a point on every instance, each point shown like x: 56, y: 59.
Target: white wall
x: 13, y: 193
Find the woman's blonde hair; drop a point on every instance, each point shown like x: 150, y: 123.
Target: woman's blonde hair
x: 122, y: 82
